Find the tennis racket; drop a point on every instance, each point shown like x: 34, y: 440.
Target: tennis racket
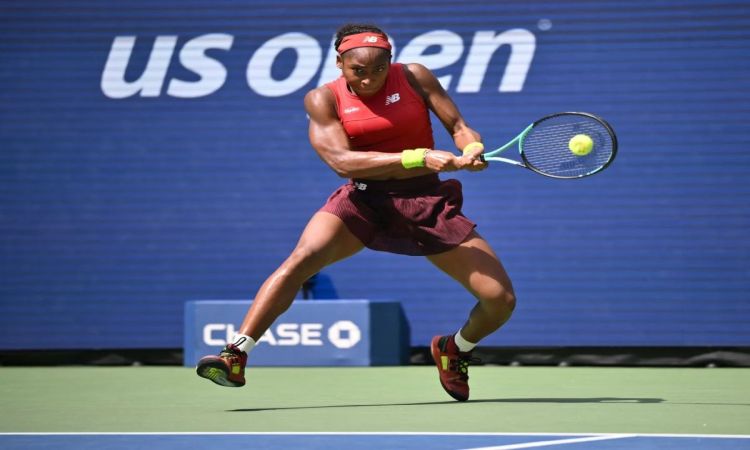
x: 563, y: 145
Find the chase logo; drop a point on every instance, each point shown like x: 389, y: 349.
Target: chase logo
x: 343, y: 334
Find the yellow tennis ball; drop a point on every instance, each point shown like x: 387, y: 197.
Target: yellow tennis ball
x: 581, y: 144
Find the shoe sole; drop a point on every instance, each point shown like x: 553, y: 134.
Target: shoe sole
x: 435, y: 350
x: 216, y: 374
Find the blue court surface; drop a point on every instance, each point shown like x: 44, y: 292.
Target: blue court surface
x: 366, y: 441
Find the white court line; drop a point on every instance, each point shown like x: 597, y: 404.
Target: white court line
x: 355, y: 433
x: 555, y: 442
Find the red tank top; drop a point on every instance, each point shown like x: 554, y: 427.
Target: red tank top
x: 394, y: 119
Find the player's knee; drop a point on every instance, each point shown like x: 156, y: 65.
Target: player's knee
x: 500, y: 300
x: 509, y: 300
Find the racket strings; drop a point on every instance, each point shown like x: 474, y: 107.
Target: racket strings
x: 545, y: 147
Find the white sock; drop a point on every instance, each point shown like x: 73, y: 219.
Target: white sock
x: 462, y: 344
x: 244, y: 342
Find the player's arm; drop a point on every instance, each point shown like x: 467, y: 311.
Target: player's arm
x: 439, y: 102
x: 330, y: 141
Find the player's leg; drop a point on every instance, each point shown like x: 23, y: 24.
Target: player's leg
x: 479, y: 270
x: 476, y: 266
x: 325, y: 240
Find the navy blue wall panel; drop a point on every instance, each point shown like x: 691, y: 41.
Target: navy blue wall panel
x: 117, y: 203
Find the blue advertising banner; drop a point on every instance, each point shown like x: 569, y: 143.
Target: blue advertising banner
x: 310, y: 333
x: 157, y: 151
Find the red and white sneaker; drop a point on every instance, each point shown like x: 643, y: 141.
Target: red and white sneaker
x: 227, y: 369
x: 453, y: 366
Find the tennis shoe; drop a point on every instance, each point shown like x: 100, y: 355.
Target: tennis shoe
x: 452, y: 365
x: 227, y: 369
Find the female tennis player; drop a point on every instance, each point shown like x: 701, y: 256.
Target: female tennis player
x: 372, y: 126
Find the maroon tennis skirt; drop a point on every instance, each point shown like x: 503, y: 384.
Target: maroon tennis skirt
x: 415, y: 216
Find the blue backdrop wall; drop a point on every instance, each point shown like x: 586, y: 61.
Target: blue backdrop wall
x: 157, y: 152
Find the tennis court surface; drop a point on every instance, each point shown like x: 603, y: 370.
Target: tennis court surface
x: 375, y: 408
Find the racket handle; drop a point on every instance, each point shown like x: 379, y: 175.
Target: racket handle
x: 481, y: 157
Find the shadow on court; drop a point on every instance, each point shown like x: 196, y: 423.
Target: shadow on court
x: 446, y: 402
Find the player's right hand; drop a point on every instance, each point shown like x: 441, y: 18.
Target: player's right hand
x: 442, y: 161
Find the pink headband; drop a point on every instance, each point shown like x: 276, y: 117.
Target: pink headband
x: 364, y: 40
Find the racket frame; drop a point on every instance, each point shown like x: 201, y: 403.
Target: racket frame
x: 492, y: 155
